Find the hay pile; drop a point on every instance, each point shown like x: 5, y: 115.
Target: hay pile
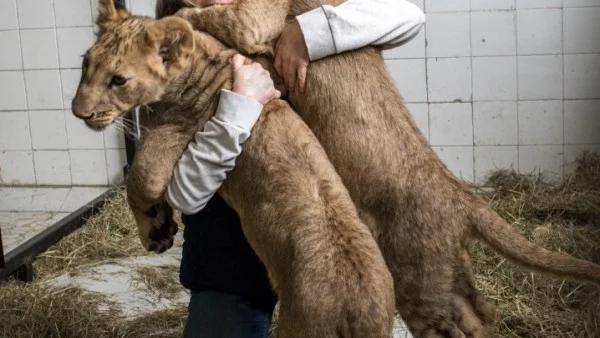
x: 39, y: 310
x: 109, y: 235
x: 562, y: 217
x: 28, y: 311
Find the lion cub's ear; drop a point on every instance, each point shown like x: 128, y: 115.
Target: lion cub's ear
x: 109, y: 15
x: 173, y: 38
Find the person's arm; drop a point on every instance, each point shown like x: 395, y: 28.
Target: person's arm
x: 204, y: 165
x: 355, y: 24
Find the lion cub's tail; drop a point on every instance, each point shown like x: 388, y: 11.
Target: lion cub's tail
x: 498, y: 234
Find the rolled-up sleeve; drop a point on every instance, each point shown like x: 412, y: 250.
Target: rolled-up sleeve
x: 355, y: 24
x: 207, y: 160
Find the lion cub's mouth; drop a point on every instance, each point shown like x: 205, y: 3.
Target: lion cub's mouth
x: 101, y: 121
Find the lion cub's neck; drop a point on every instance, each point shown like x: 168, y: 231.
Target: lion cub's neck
x: 208, y: 72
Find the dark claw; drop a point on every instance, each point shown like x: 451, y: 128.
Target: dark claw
x: 161, y: 249
x: 152, y: 246
x: 171, y: 241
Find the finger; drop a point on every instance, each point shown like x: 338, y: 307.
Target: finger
x: 290, y: 78
x: 237, y: 61
x: 302, y: 77
x: 277, y: 94
x: 278, y: 61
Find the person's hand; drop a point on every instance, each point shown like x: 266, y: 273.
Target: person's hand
x: 206, y: 3
x: 291, y: 57
x: 253, y: 81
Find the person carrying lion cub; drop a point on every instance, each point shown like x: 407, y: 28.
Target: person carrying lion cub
x: 231, y: 295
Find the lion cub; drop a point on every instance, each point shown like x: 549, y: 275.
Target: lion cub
x: 297, y: 215
x: 422, y: 217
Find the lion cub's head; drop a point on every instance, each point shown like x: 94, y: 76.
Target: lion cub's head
x: 132, y: 62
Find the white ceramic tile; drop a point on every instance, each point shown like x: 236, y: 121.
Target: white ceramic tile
x: 451, y: 124
x: 80, y: 136
x: 414, y: 49
x: 493, y: 33
x: 540, y: 77
x: 540, y: 122
x: 447, y: 5
x: 70, y: 81
x: 582, y: 122
x: 420, y: 114
x: 539, y: 31
x: 524, y: 4
x: 39, y: 48
x: 72, y: 13
x: 14, y: 131
x: 448, y: 34
x: 72, y: 44
x: 581, y: 27
x: 16, y: 168
x: 573, y: 152
x: 547, y: 159
x: 43, y: 89
x: 491, y: 158
x: 88, y: 167
x: 32, y: 199
x: 10, y: 58
x: 115, y: 162
x: 449, y: 79
x: 580, y: 3
x: 143, y: 7
x: 458, y: 159
x: 48, y: 130
x: 409, y: 76
x: 487, y: 5
x: 495, y: 123
x: 20, y: 226
x: 582, y: 76
x: 12, y: 91
x: 494, y: 78
x: 114, y: 138
x: 52, y: 167
x: 8, y: 14
x: 80, y: 196
x: 35, y: 13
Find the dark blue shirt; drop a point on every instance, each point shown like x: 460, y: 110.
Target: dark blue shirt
x: 216, y: 256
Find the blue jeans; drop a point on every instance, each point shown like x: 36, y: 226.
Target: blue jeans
x: 219, y: 315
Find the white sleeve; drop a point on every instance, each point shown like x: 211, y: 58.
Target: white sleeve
x: 359, y: 23
x: 205, y: 163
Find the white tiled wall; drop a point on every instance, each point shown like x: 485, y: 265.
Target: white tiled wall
x: 41, y: 142
x: 491, y: 83
x: 504, y: 83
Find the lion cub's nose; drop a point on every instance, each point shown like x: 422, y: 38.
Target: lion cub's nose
x: 81, y: 109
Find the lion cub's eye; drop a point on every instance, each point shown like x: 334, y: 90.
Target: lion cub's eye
x: 118, y: 80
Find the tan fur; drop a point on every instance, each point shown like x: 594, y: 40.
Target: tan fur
x: 323, y: 262
x: 422, y: 217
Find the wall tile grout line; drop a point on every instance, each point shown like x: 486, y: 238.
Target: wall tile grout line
x: 62, y: 101
x: 26, y: 95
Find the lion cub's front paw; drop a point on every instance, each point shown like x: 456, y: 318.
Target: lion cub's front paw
x: 160, y: 229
